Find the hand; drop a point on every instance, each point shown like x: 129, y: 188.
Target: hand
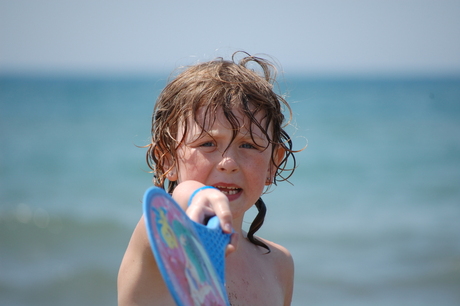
x: 206, y: 204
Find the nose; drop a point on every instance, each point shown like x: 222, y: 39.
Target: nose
x: 227, y: 164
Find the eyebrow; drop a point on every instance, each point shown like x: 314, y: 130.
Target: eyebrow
x: 256, y: 139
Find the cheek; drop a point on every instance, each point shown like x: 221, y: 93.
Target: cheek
x: 192, y: 165
x: 258, y: 166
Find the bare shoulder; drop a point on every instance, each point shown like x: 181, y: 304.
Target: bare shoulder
x: 281, y: 256
x: 277, y: 249
x: 283, y: 263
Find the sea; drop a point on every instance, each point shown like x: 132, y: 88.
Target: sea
x: 371, y: 214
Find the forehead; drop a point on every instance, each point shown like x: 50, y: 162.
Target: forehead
x: 235, y: 118
x: 207, y: 120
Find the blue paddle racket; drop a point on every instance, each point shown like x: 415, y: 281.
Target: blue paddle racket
x: 189, y: 255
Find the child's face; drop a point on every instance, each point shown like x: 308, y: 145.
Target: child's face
x: 239, y: 169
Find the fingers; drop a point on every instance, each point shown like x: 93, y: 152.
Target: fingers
x: 208, y: 203
x: 232, y: 246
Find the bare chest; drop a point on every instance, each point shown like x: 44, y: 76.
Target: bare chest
x: 249, y: 285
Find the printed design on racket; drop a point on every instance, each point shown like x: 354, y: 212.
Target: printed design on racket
x: 185, y: 252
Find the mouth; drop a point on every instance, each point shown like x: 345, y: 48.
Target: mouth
x: 228, y: 191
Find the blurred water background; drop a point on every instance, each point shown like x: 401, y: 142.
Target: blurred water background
x: 372, y: 217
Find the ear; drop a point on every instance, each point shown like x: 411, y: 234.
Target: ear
x: 278, y: 156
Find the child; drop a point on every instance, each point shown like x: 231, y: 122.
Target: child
x: 220, y: 124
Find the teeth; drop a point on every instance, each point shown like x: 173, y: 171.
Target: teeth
x: 228, y: 190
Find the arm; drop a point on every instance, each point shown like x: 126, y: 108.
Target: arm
x: 284, y: 270
x: 139, y: 280
x: 289, y: 280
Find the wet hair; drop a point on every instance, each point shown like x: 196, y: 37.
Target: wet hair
x: 226, y: 85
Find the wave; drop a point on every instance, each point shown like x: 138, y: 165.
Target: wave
x: 51, y: 260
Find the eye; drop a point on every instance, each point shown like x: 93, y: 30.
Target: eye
x: 207, y: 144
x: 248, y: 146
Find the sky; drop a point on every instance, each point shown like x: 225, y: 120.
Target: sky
x: 328, y: 37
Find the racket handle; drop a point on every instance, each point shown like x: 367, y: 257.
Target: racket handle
x: 214, y: 224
